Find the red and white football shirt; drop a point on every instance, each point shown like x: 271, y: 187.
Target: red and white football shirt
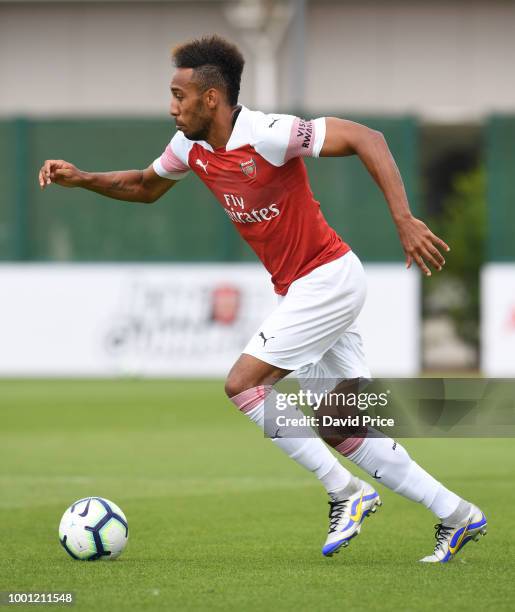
x: 261, y: 182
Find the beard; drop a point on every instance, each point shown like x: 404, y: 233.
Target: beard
x: 197, y: 134
x: 203, y: 124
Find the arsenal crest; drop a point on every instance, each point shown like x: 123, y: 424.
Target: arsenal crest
x: 249, y: 168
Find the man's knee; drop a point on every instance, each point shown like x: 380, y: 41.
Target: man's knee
x: 249, y: 372
x: 240, y: 380
x: 236, y: 384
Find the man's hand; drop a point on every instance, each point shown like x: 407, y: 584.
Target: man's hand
x: 60, y: 172
x: 421, y: 245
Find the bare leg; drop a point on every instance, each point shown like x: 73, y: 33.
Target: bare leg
x: 249, y: 372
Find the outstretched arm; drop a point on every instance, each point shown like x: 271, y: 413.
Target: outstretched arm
x: 129, y: 185
x: 349, y: 138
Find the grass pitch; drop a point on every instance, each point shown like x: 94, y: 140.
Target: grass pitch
x: 219, y: 519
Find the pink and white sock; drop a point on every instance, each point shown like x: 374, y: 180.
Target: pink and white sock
x: 310, y: 453
x: 390, y: 464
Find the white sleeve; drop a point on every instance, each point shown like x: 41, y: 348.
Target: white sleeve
x: 173, y: 163
x: 279, y: 138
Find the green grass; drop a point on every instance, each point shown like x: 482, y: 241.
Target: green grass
x: 219, y: 518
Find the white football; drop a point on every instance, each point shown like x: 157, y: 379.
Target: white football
x: 93, y: 528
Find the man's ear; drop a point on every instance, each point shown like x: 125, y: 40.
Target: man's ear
x: 212, y: 98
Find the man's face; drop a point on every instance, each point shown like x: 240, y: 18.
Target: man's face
x: 188, y: 106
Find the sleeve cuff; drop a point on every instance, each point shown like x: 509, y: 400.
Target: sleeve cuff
x: 173, y: 176
x: 319, y: 125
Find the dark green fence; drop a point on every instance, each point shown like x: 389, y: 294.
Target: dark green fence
x: 8, y: 196
x: 500, y: 156
x: 187, y: 224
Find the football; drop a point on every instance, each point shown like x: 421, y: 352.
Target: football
x: 93, y: 528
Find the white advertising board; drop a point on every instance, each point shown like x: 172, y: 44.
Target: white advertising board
x: 176, y: 320
x: 498, y: 320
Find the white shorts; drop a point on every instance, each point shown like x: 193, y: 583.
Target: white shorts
x: 313, y: 330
